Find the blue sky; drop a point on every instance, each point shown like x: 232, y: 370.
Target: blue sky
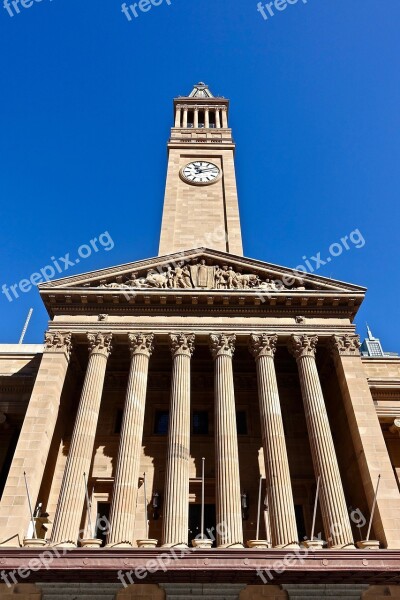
x: 87, y: 105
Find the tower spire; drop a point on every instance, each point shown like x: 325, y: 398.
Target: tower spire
x: 201, y: 205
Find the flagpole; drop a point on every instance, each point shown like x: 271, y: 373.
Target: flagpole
x: 373, y: 509
x: 259, y: 508
x: 30, y: 508
x: 315, y: 508
x: 89, y: 507
x: 202, y: 497
x: 145, y: 507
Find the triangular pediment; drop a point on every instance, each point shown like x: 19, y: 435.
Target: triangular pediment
x: 201, y: 269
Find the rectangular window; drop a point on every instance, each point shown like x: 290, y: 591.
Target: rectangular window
x: 241, y: 422
x: 200, y: 422
x: 161, y: 422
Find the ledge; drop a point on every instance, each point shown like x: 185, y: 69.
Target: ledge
x: 220, y: 566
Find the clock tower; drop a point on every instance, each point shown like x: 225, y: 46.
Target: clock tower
x: 201, y: 204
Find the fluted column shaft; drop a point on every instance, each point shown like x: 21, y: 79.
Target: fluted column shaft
x: 123, y: 507
x: 281, y: 505
x: 217, y: 119
x: 224, y: 118
x: 178, y: 117
x: 207, y: 118
x: 72, y: 497
x: 228, y: 501
x: 333, y: 503
x: 185, y: 118
x: 176, y: 494
x: 196, y: 118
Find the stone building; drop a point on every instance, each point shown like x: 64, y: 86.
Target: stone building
x: 199, y: 394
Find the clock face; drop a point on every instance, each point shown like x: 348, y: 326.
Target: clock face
x: 200, y: 173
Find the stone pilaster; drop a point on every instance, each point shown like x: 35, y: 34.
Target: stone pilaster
x: 333, y: 503
x: 224, y: 118
x: 218, y: 118
x: 176, y: 495
x: 123, y: 508
x: 72, y: 496
x: 282, y: 515
x: 229, y: 513
x: 368, y: 440
x: 35, y: 438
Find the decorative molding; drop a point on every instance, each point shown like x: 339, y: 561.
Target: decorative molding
x: 141, y: 343
x: 103, y: 317
x: 263, y: 345
x: 57, y: 341
x: 182, y: 344
x: 300, y: 319
x: 100, y: 343
x: 222, y: 345
x: 199, y: 275
x: 303, y: 345
x: 345, y: 345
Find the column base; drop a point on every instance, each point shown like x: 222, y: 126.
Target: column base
x: 34, y: 542
x: 147, y: 543
x: 91, y: 543
x: 368, y: 545
x: 258, y: 544
x: 314, y: 544
x: 204, y: 543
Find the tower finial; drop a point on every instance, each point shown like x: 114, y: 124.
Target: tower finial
x: 370, y: 336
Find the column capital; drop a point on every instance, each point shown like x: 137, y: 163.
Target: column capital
x: 303, y: 345
x: 222, y: 345
x: 56, y: 341
x: 182, y: 344
x: 263, y: 344
x: 100, y: 343
x: 345, y: 345
x: 141, y: 343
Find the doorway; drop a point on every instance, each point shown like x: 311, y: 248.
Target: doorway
x: 210, y: 521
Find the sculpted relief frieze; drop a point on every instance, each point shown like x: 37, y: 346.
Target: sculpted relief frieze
x: 199, y: 275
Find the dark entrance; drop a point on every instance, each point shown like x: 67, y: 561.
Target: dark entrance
x: 103, y: 518
x: 210, y: 521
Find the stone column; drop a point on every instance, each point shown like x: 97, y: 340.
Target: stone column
x: 72, y: 496
x: 224, y: 118
x: 207, y: 118
x: 196, y: 118
x: 229, y: 511
x: 123, y: 508
x: 333, y: 503
x: 178, y: 116
x: 217, y: 119
x: 369, y: 444
x: 35, y: 438
x: 282, y: 515
x: 185, y: 117
x: 176, y: 493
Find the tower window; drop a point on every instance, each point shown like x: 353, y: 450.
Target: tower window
x: 200, y: 422
x: 161, y: 422
x: 201, y: 119
x: 241, y: 422
x: 212, y: 119
x: 190, y: 122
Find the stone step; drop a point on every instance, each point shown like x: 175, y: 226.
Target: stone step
x: 339, y: 591
x: 80, y: 591
x: 199, y: 591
